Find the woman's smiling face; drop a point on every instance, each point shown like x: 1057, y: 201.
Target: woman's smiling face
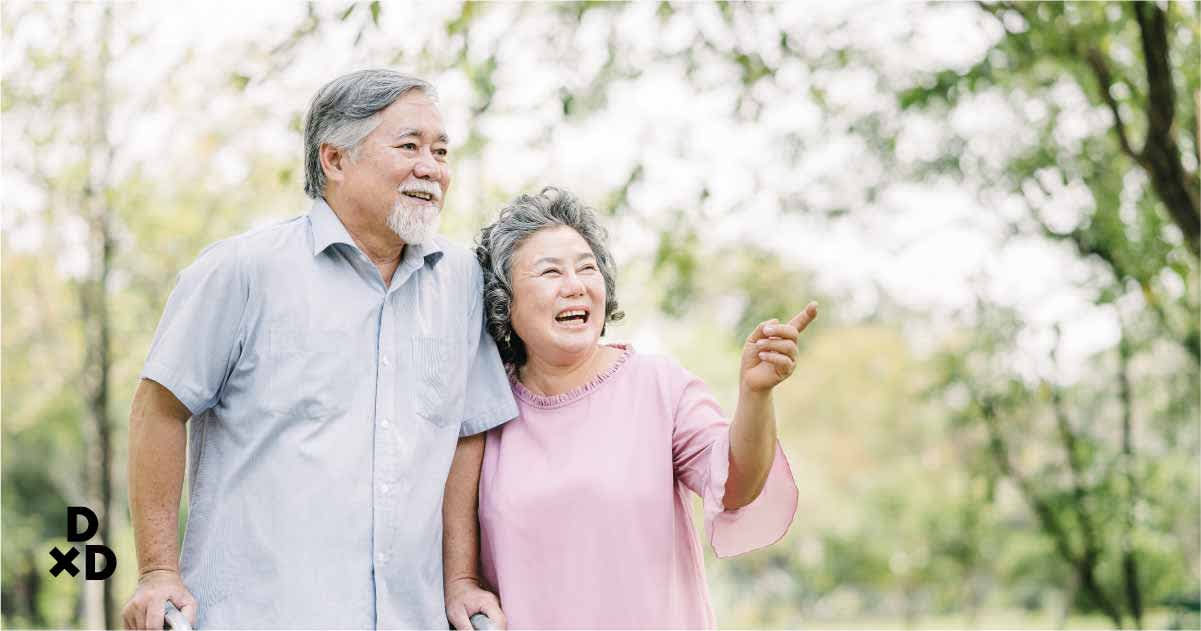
x: 558, y: 296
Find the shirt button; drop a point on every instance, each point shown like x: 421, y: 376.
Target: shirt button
x: 383, y: 488
x: 384, y: 423
x: 381, y: 558
x: 384, y: 360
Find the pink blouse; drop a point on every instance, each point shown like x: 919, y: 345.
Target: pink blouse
x: 584, y: 518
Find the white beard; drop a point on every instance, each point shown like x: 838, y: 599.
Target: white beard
x: 414, y: 223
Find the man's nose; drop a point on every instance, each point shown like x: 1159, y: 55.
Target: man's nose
x: 426, y: 166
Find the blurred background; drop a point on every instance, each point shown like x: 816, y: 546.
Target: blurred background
x: 994, y: 422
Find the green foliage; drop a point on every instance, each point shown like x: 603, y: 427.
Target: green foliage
x: 1125, y: 226
x: 1081, y: 497
x: 676, y: 267
x: 1075, y: 493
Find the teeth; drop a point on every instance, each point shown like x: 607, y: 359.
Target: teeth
x: 420, y: 195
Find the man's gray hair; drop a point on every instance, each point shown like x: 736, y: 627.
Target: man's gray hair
x: 345, y: 111
x: 498, y: 244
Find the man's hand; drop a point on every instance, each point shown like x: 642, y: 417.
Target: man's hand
x: 145, y: 608
x: 465, y: 597
x: 769, y: 355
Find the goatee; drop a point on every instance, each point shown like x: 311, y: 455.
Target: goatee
x: 414, y: 222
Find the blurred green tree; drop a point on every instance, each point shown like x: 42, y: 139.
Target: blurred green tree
x: 1137, y: 62
x: 80, y: 189
x: 90, y: 250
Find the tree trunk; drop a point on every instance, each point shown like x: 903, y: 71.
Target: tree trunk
x: 1083, y: 564
x: 95, y: 312
x: 1069, y: 597
x: 1159, y: 157
x: 20, y: 597
x: 1161, y: 153
x: 1134, y: 599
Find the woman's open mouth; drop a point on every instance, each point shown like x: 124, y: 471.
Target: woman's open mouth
x: 572, y: 318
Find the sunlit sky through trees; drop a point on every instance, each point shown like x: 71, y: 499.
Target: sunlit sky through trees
x: 932, y: 246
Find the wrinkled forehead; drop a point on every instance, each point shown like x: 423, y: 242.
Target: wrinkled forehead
x: 415, y: 114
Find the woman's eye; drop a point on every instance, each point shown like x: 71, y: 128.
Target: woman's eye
x: 549, y: 271
x: 588, y: 268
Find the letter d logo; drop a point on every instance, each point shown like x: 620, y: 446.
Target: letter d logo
x: 110, y: 563
x: 73, y: 514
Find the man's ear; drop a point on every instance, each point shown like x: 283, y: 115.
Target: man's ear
x: 333, y: 162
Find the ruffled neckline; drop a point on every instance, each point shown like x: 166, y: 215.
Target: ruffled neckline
x: 575, y: 394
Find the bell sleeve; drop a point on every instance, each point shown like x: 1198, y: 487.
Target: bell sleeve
x: 701, y: 457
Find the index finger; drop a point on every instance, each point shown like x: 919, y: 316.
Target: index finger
x: 759, y: 333
x: 807, y: 315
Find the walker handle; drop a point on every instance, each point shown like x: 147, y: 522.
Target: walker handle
x: 174, y: 618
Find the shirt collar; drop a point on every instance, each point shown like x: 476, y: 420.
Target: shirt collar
x: 430, y: 251
x: 328, y: 230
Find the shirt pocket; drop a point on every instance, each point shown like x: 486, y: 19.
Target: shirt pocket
x: 309, y: 372
x: 435, y: 365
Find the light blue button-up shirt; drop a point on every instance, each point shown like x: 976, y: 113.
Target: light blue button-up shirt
x: 326, y: 408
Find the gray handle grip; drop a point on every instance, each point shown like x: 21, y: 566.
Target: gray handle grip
x: 175, y: 618
x: 480, y: 622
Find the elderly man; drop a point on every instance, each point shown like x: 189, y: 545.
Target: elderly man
x: 332, y: 367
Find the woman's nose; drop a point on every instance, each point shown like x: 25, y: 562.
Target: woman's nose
x: 572, y: 285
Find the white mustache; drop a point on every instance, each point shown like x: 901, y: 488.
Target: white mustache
x: 422, y: 186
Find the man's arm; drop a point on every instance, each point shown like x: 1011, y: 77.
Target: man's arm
x: 157, y: 454
x: 461, y: 539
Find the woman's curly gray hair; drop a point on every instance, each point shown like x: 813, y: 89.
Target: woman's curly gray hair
x: 498, y: 243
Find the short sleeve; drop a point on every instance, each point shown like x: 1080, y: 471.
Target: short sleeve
x: 489, y: 398
x: 199, y: 337
x: 701, y: 455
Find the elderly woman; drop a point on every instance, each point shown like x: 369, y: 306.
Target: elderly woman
x: 583, y: 507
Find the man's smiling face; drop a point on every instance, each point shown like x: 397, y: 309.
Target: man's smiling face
x: 399, y: 174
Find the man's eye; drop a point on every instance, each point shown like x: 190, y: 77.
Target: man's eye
x: 411, y: 146
x: 549, y: 271
x: 589, y: 268
x: 440, y: 152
